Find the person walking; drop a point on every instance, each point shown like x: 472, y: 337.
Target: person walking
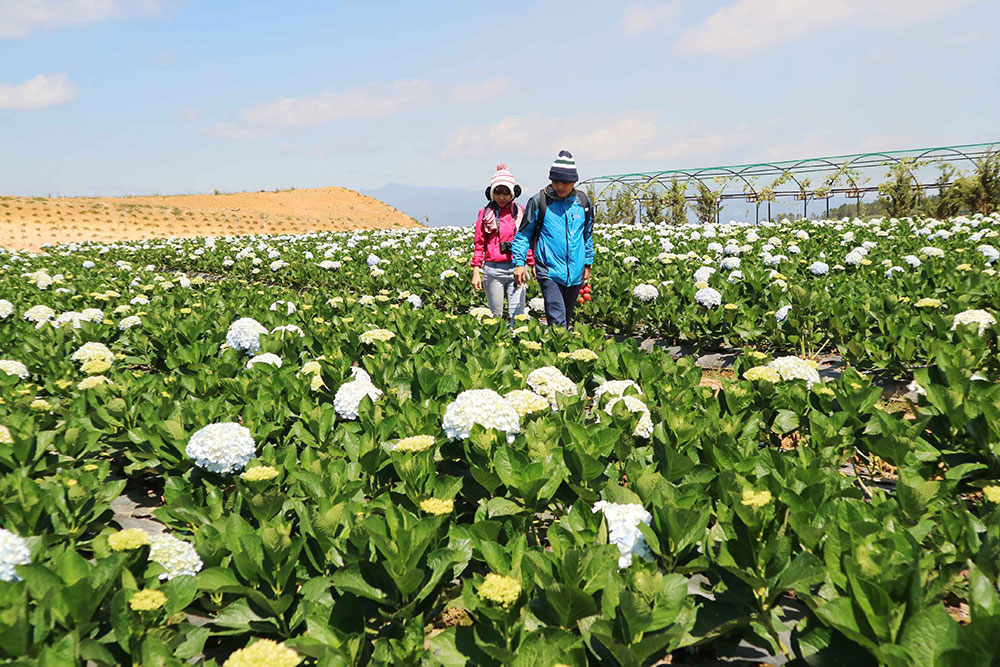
x: 558, y: 227
x: 492, y: 262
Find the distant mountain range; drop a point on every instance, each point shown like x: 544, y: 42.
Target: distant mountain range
x: 436, y: 207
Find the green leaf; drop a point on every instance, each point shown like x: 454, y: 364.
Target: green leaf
x: 928, y: 635
x: 496, y: 507
x: 348, y: 579
x: 564, y: 605
x: 443, y: 650
x: 785, y: 421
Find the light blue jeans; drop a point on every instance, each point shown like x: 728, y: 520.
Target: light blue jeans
x: 498, y: 281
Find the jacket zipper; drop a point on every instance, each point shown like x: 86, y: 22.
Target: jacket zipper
x: 566, y: 220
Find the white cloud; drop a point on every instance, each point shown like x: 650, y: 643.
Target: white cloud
x: 748, y: 26
x: 45, y: 90
x: 490, y: 89
x: 631, y: 135
x: 645, y: 16
x: 19, y: 18
x: 375, y: 100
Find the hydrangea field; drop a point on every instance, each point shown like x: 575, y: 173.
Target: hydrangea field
x: 351, y: 462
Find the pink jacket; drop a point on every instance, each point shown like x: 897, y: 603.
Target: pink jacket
x: 487, y: 244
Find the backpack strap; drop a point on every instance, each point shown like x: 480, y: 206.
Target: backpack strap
x: 588, y: 208
x: 543, y: 204
x: 584, y: 200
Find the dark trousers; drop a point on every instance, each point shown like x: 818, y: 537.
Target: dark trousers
x: 560, y: 301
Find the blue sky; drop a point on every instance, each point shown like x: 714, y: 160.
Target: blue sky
x: 111, y: 97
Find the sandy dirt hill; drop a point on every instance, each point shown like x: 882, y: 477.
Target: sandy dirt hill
x: 29, y: 222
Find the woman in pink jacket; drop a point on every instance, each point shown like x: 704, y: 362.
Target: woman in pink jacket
x: 492, y: 264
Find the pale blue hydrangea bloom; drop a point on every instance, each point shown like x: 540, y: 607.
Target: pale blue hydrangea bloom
x: 819, y: 268
x: 244, y: 334
x: 708, y: 297
x: 13, y: 551
x: 623, y: 529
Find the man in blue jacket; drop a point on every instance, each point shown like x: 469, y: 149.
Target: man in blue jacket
x: 557, y: 225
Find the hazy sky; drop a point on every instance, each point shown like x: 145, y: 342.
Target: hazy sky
x: 174, y: 96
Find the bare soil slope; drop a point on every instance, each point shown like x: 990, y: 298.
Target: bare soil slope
x: 28, y: 222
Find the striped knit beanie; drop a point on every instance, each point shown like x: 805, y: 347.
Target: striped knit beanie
x: 502, y: 177
x: 564, y: 168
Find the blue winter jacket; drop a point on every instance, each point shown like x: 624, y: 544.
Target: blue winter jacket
x: 564, y: 239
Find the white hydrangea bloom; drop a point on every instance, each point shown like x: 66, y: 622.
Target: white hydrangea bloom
x: 644, y: 428
x: 480, y: 406
x: 129, y: 322
x: 12, y: 367
x: 289, y: 329
x: 221, y: 448
x: 70, y: 317
x: 479, y: 312
x: 39, y: 314
x: 979, y: 317
x: 527, y: 402
x: 448, y: 273
x: 549, y: 381
x: 708, y: 297
x: 819, y: 268
x: 774, y: 260
x: 615, y: 388
x: 6, y: 309
x: 13, y: 551
x: 645, y: 292
x: 703, y: 274
x: 853, y: 258
x: 730, y: 263
x: 244, y: 334
x: 92, y: 314
x: 267, y: 358
x: 537, y: 304
x: 989, y: 252
x: 782, y: 313
x: 289, y: 307
x: 912, y: 260
x: 931, y: 251
x: 93, y: 352
x: 623, y: 529
x: 794, y: 368
x: 176, y: 556
x: 349, y: 395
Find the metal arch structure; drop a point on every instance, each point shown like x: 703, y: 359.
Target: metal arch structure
x: 756, y: 179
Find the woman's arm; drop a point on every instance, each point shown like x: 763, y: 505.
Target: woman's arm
x: 479, y: 243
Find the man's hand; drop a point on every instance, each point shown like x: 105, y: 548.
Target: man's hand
x: 520, y: 275
x: 586, y: 274
x: 477, y: 278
